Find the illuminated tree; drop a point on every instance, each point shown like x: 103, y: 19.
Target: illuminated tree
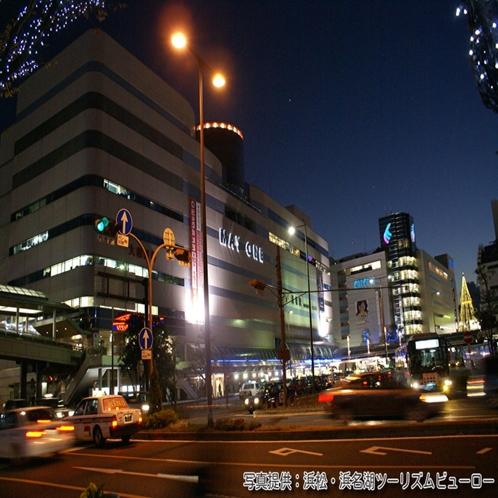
x: 21, y: 39
x: 482, y: 17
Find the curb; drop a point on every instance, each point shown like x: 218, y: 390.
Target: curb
x: 345, y: 432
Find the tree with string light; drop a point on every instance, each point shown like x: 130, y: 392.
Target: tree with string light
x: 482, y: 18
x: 22, y: 37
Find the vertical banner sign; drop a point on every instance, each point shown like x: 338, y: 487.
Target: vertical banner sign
x: 194, y: 270
x: 200, y: 249
x: 319, y: 282
x: 196, y: 266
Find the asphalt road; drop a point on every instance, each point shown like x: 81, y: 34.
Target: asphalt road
x: 298, y: 454
x: 457, y: 466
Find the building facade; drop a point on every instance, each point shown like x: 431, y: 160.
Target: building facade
x: 396, y: 291
x: 98, y: 132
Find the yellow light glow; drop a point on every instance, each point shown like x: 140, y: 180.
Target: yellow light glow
x: 178, y: 40
x: 218, y: 80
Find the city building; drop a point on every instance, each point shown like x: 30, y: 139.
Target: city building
x: 97, y: 133
x: 396, y: 291
x: 487, y: 264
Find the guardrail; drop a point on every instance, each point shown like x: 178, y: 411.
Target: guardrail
x: 34, y: 338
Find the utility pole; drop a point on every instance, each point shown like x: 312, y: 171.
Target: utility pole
x: 283, y: 352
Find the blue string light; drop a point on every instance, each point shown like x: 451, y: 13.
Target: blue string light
x: 20, y: 42
x: 482, y: 18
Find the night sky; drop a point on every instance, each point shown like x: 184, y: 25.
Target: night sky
x: 350, y: 109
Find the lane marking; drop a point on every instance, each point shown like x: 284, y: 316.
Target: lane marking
x: 484, y: 450
x: 374, y: 450
x: 290, y: 451
x: 141, y: 474
x: 279, y: 465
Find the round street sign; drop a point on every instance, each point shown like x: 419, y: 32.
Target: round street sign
x: 145, y: 338
x: 169, y: 237
x: 125, y: 221
x: 467, y: 336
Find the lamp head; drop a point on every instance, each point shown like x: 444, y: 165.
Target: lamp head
x: 218, y: 80
x: 291, y: 230
x: 178, y: 40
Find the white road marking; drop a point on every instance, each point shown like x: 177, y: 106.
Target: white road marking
x: 484, y: 450
x: 164, y: 476
x: 290, y: 451
x: 374, y: 450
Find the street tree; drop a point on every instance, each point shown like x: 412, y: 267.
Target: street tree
x: 30, y: 27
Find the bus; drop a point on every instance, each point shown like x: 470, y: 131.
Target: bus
x: 424, y: 362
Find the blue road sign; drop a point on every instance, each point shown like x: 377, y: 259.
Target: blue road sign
x: 125, y: 221
x: 145, y: 338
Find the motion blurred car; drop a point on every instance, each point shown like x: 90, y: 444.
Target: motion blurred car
x: 490, y: 379
x: 375, y: 395
x: 32, y: 432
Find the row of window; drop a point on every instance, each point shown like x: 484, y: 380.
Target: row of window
x: 95, y: 181
x: 89, y: 260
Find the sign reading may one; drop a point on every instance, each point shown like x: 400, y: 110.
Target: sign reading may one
x: 234, y: 243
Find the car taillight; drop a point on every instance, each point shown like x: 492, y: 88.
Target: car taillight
x: 114, y: 422
x: 325, y: 398
x: 140, y: 419
x: 43, y: 421
x: 65, y: 428
x: 35, y: 434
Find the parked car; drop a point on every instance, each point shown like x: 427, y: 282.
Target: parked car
x: 379, y: 395
x: 249, y: 388
x: 139, y: 399
x: 270, y: 395
x: 11, y: 404
x: 32, y: 432
x: 108, y: 416
x: 57, y: 405
x: 301, y: 386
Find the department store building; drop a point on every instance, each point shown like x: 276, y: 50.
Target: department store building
x: 97, y: 132
x: 392, y: 293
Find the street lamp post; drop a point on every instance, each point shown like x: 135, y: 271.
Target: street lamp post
x: 179, y: 41
x: 292, y: 230
x: 433, y: 310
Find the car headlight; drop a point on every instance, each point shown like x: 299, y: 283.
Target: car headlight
x: 415, y: 385
x: 145, y: 408
x: 448, y: 382
x: 256, y: 401
x: 246, y: 401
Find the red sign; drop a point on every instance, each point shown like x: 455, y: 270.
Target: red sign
x: 467, y: 336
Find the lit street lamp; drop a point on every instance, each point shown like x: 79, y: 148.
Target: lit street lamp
x: 292, y: 231
x: 179, y: 41
x: 433, y: 310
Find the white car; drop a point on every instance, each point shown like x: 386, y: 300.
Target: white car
x: 32, y: 432
x: 249, y: 388
x: 108, y: 416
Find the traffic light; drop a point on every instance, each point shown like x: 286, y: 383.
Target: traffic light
x: 183, y: 256
x: 108, y: 227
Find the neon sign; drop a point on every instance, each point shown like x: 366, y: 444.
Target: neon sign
x: 364, y: 282
x: 387, y: 234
